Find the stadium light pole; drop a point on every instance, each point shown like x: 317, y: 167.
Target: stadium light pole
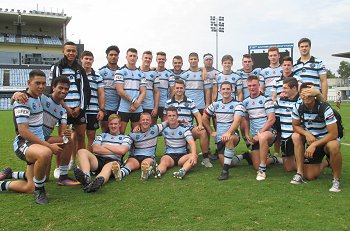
x: 217, y: 25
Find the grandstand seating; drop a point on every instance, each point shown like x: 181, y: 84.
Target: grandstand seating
x: 30, y: 39
x: 52, y: 41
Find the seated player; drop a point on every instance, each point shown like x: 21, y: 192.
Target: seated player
x: 108, y: 150
x: 176, y: 137
x: 142, y: 146
x: 315, y: 124
x: 229, y: 114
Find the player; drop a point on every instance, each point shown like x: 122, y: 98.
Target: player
x: 212, y: 74
x: 177, y: 64
x: 338, y: 100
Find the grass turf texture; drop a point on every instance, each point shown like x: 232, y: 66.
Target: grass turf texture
x: 198, y: 202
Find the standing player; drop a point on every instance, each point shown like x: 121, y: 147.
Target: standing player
x: 131, y: 87
x: 186, y: 111
x: 142, y: 146
x: 29, y: 144
x: 166, y: 83
x: 246, y: 71
x: 176, y: 137
x: 269, y: 74
x: 108, y: 150
x: 261, y: 116
x: 228, y: 75
x: 177, y: 64
x: 151, y: 102
x: 212, y: 73
x: 96, y: 108
x: 314, y: 123
x: 228, y: 113
x: 107, y: 72
x: 338, y: 100
x: 78, y: 96
x: 311, y: 69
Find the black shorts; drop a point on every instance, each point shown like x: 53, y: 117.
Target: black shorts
x: 77, y: 121
x: 102, y: 161
x: 140, y: 158
x: 161, y: 112
x: 176, y: 157
x: 21, y: 147
x: 287, y: 147
x: 126, y: 116
x: 317, y: 157
x: 256, y: 146
x: 220, y: 146
x: 108, y: 113
x: 92, y: 122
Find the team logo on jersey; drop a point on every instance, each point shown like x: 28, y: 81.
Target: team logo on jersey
x: 112, y: 137
x: 255, y: 72
x: 186, y: 104
x: 273, y: 72
x: 34, y: 106
x: 261, y: 102
x: 47, y: 104
x: 253, y: 103
x: 231, y: 107
x: 94, y: 78
x: 225, y: 78
x: 223, y: 106
x: 173, y: 133
x: 137, y: 137
x: 152, y: 76
x: 303, y: 70
x: 61, y: 113
x: 55, y: 109
x: 71, y: 77
x: 125, y: 73
x: 152, y: 132
x: 180, y: 133
x: 312, y: 65
x: 120, y: 138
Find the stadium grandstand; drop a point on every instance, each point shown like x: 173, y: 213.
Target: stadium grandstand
x: 28, y: 40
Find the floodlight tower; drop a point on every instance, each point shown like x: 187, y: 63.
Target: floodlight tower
x: 217, y: 25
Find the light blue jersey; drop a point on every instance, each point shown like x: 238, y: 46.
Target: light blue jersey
x: 176, y: 76
x: 109, y: 139
x: 132, y: 81
x: 310, y: 71
x: 311, y: 121
x: 30, y: 113
x: 233, y: 78
x: 278, y: 83
x: 166, y: 81
x: 224, y: 113
x: 96, y: 82
x: 258, y: 109
x: 53, y: 113
x: 212, y: 75
x: 284, y: 108
x: 176, y: 139
x: 269, y: 75
x: 195, y: 87
x: 185, y: 108
x: 145, y: 143
x: 112, y: 99
x: 152, y: 83
x: 244, y: 75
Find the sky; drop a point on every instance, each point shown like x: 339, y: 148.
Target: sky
x: 183, y: 26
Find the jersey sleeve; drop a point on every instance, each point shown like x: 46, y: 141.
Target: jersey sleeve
x: 269, y: 106
x: 329, y: 116
x: 210, y: 110
x: 240, y: 110
x: 119, y: 77
x: 21, y: 113
x: 98, y: 139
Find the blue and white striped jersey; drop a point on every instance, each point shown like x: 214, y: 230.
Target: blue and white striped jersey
x: 312, y: 122
x: 224, y: 113
x: 96, y: 82
x: 109, y: 139
x: 145, y: 143
x: 269, y: 75
x: 53, y: 113
x: 258, y: 109
x: 132, y: 81
x: 185, y: 108
x: 30, y: 113
x: 244, y: 75
x: 195, y: 86
x: 176, y: 76
x: 176, y: 139
x: 284, y: 108
x: 278, y: 83
x: 310, y: 71
x: 152, y: 82
x: 212, y: 75
x: 112, y: 99
x: 166, y: 80
x: 233, y: 78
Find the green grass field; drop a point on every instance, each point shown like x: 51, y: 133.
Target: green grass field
x: 198, y: 202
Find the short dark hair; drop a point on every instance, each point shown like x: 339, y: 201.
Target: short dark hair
x: 172, y: 108
x: 227, y: 57
x: 161, y: 53
x: 132, y: 50
x: 179, y: 81
x: 36, y: 72
x: 226, y: 82
x: 112, y: 48
x: 147, y: 53
x: 291, y: 82
x: 86, y: 53
x: 193, y: 54
x: 60, y: 79
x: 273, y: 49
x: 69, y: 43
x: 177, y: 57
x: 247, y: 56
x: 252, y: 77
x: 304, y: 40
x: 287, y: 58
x: 305, y: 85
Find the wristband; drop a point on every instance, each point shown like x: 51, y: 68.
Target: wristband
x: 133, y: 101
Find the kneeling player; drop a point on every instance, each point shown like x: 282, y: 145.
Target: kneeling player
x: 108, y: 149
x: 176, y: 138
